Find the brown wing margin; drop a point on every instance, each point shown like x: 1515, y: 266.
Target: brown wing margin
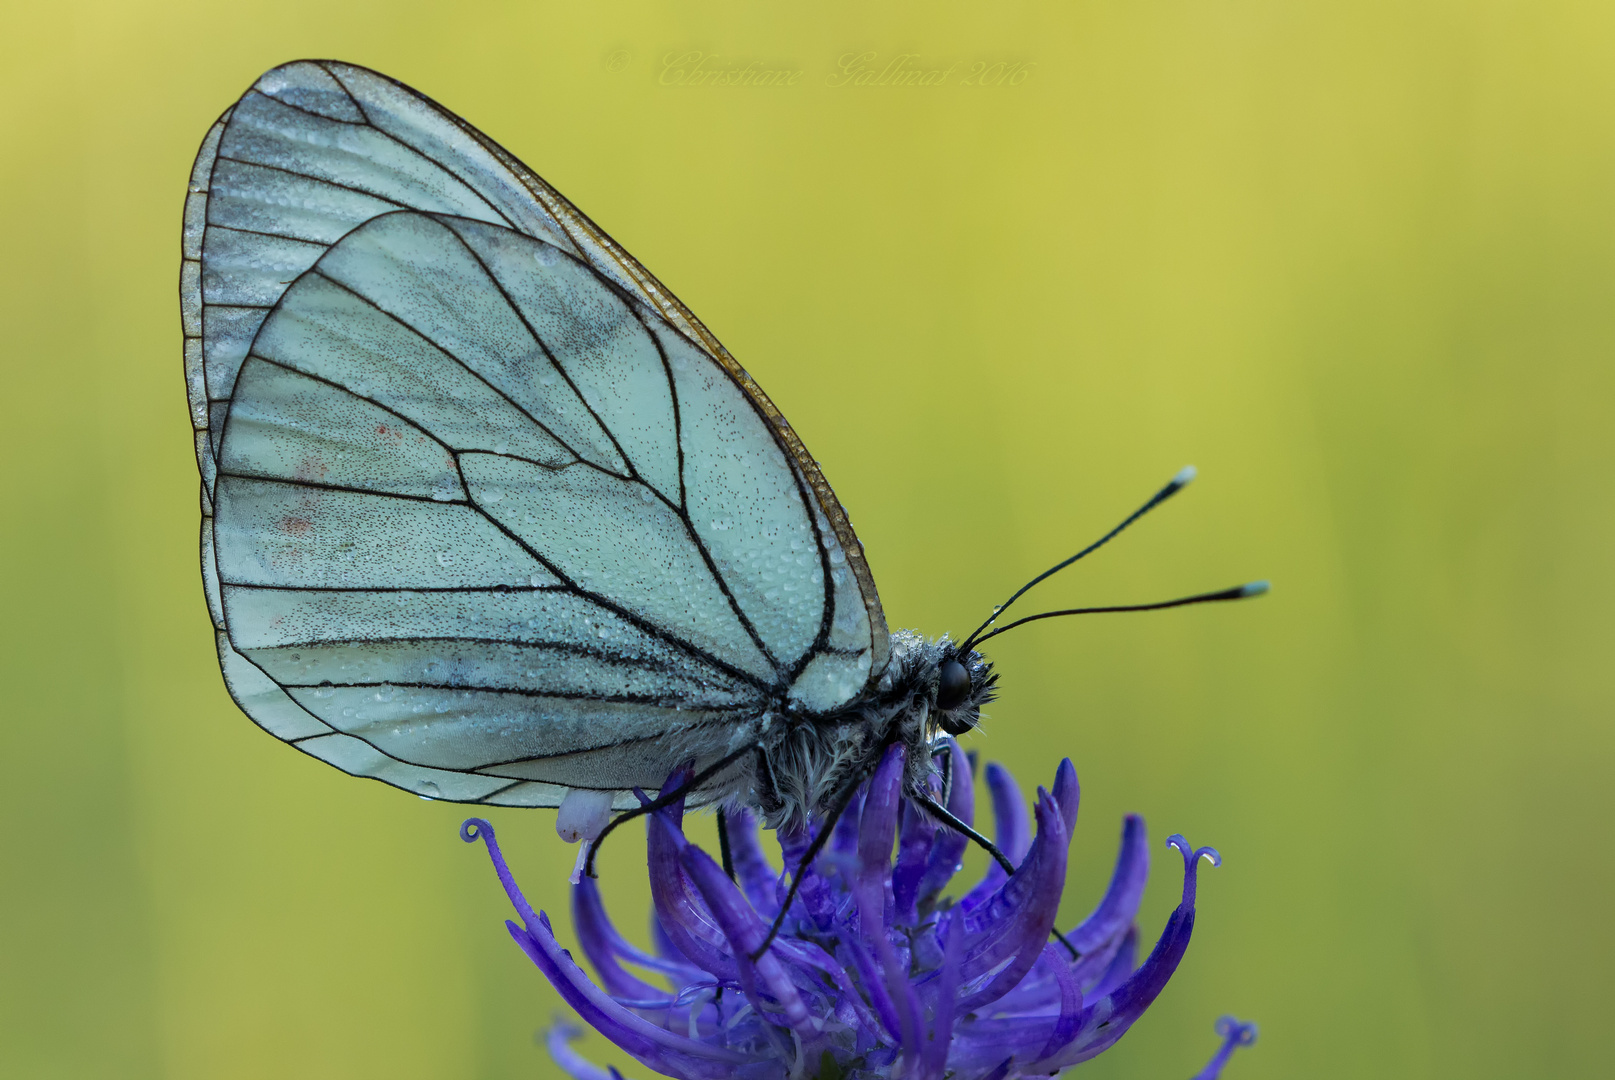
x: 683, y: 320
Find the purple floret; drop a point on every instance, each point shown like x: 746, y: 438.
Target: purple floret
x: 874, y: 973
x: 1234, y: 1034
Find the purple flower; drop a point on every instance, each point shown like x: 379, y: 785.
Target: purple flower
x: 874, y: 973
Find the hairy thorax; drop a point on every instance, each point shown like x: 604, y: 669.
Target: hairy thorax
x: 808, y: 763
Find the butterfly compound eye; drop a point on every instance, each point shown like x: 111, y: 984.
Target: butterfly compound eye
x: 953, y: 685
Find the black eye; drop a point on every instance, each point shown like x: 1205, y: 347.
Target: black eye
x: 953, y: 685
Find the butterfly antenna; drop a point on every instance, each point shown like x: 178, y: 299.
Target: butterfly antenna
x: 1175, y: 485
x: 663, y: 801
x: 1238, y: 592
x: 802, y: 865
x: 947, y: 817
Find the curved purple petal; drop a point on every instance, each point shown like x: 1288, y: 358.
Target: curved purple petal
x: 877, y: 830
x: 949, y: 846
x: 815, y: 898
x: 1011, y: 832
x: 474, y: 829
x: 602, y: 944
x: 873, y: 979
x: 752, y: 870
x: 981, y: 1044
x: 667, y: 958
x: 746, y: 932
x: 939, y: 1039
x: 844, y: 840
x: 1108, y: 1019
x: 650, y: 1045
x: 1065, y: 1029
x: 915, y: 838
x: 1120, y: 903
x: 1068, y: 793
x: 558, y: 1041
x: 1122, y: 963
x: 680, y: 909
x: 808, y: 955
x: 1038, y: 880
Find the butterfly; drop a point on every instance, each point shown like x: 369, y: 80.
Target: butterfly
x: 488, y: 514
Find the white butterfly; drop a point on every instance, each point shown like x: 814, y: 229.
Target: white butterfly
x: 487, y: 514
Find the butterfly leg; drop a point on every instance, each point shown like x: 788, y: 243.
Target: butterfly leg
x: 942, y: 814
x: 946, y: 768
x: 817, y: 845
x: 723, y: 844
x: 663, y: 801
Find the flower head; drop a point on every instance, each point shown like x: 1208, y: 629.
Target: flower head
x: 874, y: 973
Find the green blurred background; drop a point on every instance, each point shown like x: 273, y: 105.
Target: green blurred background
x: 1353, y: 260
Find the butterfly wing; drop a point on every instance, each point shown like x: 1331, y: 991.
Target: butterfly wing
x: 487, y: 513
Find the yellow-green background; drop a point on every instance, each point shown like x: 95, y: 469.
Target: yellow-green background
x: 1354, y: 259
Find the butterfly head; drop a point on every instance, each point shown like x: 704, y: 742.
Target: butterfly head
x: 964, y: 683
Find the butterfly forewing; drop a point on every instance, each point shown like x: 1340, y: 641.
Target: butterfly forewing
x: 487, y: 513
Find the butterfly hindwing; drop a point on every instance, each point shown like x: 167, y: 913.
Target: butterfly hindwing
x: 487, y: 513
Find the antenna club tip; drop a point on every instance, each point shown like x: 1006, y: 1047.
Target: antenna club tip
x: 1256, y: 588
x: 1184, y: 475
